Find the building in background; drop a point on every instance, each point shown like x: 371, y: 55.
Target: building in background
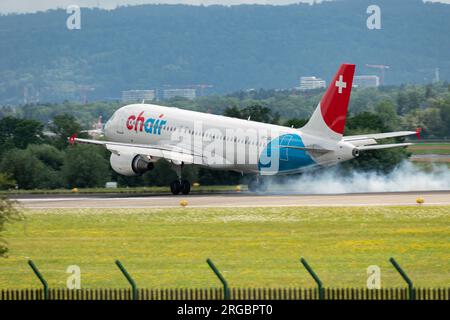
x: 366, y: 81
x: 138, y: 95
x: 182, y: 93
x: 310, y: 83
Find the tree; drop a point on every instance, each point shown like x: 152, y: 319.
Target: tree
x: 163, y: 174
x: 230, y: 47
x: 8, y: 213
x: 365, y: 121
x: 409, y: 100
x: 49, y: 155
x: 6, y: 182
x: 85, y: 167
x: 19, y: 133
x: 295, y: 123
x: 374, y: 160
x: 443, y: 104
x: 430, y: 120
x: 35, y: 167
x: 218, y: 177
x: 255, y: 112
x: 233, y: 112
x: 383, y: 161
x: 260, y: 113
x: 445, y: 115
x: 64, y: 126
x: 429, y: 91
x: 386, y: 112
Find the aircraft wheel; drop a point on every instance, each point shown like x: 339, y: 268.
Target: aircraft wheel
x: 185, y: 187
x: 257, y: 185
x: 253, y: 185
x: 262, y: 185
x: 175, y: 187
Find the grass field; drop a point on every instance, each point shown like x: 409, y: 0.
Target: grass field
x: 253, y: 247
x: 430, y: 148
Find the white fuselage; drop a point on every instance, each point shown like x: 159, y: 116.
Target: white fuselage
x: 223, y: 142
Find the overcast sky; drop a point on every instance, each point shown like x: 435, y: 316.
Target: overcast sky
x: 9, y: 6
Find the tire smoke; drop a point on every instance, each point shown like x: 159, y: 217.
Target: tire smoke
x: 405, y: 177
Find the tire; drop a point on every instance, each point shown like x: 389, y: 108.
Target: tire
x: 175, y: 187
x: 262, y: 186
x: 253, y: 185
x: 185, y: 187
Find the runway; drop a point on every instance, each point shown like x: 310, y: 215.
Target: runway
x: 232, y: 200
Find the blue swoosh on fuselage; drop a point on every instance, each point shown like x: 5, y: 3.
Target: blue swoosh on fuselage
x: 289, y: 159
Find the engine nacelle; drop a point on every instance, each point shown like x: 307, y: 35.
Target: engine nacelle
x: 130, y: 164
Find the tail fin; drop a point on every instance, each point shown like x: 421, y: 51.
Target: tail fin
x: 328, y: 120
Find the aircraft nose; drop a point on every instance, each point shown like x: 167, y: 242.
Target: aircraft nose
x: 106, y: 127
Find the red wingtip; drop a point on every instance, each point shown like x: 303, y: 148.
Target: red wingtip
x: 418, y: 131
x: 72, y: 138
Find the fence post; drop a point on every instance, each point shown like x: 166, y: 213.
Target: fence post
x: 315, y: 277
x: 40, y: 277
x: 226, y: 289
x: 405, y: 277
x: 129, y: 279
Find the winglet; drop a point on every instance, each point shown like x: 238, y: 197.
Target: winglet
x: 72, y: 139
x: 418, y: 131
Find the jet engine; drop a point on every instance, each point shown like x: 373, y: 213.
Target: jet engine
x: 130, y: 164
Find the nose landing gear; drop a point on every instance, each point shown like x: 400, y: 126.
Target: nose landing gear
x: 183, y: 186
x: 175, y: 187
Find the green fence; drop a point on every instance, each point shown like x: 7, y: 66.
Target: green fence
x: 235, y: 294
x: 227, y: 293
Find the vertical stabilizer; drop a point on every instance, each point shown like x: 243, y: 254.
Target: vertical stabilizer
x: 328, y: 120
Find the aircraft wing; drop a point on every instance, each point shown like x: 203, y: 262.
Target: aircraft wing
x: 369, y: 141
x: 172, y: 153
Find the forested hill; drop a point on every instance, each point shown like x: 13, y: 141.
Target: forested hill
x: 238, y: 47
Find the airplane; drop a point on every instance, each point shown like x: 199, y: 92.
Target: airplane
x: 138, y: 135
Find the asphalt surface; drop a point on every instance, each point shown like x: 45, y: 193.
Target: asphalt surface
x: 232, y: 200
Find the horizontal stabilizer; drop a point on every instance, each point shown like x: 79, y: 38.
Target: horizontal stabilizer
x: 309, y: 148
x: 379, y: 135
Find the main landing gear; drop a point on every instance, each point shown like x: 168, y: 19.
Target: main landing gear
x: 257, y: 184
x: 179, y: 186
